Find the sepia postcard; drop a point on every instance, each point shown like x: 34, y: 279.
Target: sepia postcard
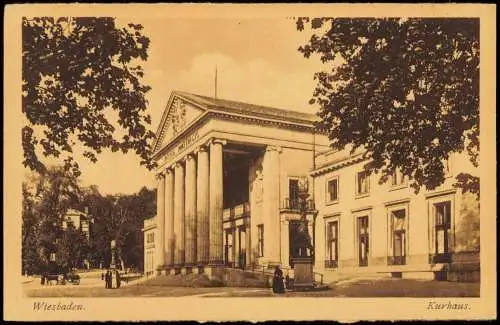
x: 225, y: 162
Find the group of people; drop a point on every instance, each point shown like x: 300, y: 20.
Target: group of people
x: 108, y: 279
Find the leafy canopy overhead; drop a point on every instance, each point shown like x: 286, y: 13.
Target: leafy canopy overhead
x: 76, y: 72
x: 405, y: 90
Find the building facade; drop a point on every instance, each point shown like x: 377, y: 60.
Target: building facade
x: 367, y: 227
x: 228, y: 181
x: 224, y: 190
x: 79, y: 220
x: 149, y: 231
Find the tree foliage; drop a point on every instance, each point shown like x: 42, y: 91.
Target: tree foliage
x: 119, y: 218
x: 404, y: 90
x: 76, y: 72
x: 46, y: 199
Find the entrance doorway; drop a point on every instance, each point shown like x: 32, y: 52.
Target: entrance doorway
x: 228, y: 249
x: 363, y: 240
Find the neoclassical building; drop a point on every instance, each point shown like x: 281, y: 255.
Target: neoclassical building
x: 228, y: 182
x: 367, y: 227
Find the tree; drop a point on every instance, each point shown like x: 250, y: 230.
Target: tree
x: 76, y: 72
x: 119, y: 218
x: 404, y: 90
x: 46, y: 199
x: 71, y: 248
x: 30, y: 258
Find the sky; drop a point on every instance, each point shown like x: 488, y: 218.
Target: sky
x: 257, y: 62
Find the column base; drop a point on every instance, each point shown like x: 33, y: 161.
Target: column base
x: 272, y: 264
x: 215, y: 272
x: 200, y: 268
x: 172, y: 271
x: 216, y: 263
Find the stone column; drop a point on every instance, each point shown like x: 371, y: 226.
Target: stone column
x: 160, y: 222
x: 179, y: 214
x: 202, y: 207
x: 248, y: 246
x: 285, y: 239
x: 190, y: 226
x: 270, y: 205
x: 216, y: 203
x: 169, y: 217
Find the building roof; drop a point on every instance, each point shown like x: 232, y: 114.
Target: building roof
x: 232, y: 106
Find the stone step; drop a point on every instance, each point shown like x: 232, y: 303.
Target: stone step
x: 183, y: 280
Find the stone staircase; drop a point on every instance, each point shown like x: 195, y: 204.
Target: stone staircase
x: 260, y: 277
x: 230, y: 278
x: 183, y: 280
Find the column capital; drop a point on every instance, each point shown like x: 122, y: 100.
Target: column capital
x: 160, y: 175
x: 189, y: 156
x: 168, y: 170
x: 178, y: 164
x: 217, y: 141
x: 202, y: 148
x: 274, y: 148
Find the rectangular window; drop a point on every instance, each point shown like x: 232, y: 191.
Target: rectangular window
x: 442, y: 227
x: 363, y: 240
x: 398, y: 237
x: 398, y: 178
x: 228, y: 252
x: 363, y: 183
x: 332, y: 233
x: 260, y: 240
x: 333, y: 189
x: 293, y: 193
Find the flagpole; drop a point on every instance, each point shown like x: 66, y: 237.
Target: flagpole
x: 215, y: 82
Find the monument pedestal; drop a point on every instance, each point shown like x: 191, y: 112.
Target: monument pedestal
x: 303, y: 273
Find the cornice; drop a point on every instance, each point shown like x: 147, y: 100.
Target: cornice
x: 210, y: 114
x: 329, y: 167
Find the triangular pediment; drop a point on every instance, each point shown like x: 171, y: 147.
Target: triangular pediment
x: 178, y: 115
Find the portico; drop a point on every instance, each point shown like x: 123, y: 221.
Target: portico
x: 223, y: 171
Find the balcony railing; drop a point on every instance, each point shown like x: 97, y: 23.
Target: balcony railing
x: 440, y: 258
x: 296, y: 204
x: 330, y: 264
x: 396, y: 260
x: 237, y: 211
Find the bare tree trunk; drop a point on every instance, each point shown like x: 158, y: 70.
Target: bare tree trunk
x: 122, y: 263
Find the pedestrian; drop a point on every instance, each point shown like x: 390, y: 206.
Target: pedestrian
x: 117, y: 279
x: 102, y: 275
x: 107, y: 280
x: 278, y: 285
x: 42, y: 280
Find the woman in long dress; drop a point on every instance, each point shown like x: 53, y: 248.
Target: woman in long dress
x: 278, y: 285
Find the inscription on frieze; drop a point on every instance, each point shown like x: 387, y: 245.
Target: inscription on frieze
x: 182, y: 145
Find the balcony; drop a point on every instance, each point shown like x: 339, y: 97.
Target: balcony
x: 238, y: 211
x: 396, y: 260
x: 330, y: 264
x: 296, y: 206
x: 440, y: 258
